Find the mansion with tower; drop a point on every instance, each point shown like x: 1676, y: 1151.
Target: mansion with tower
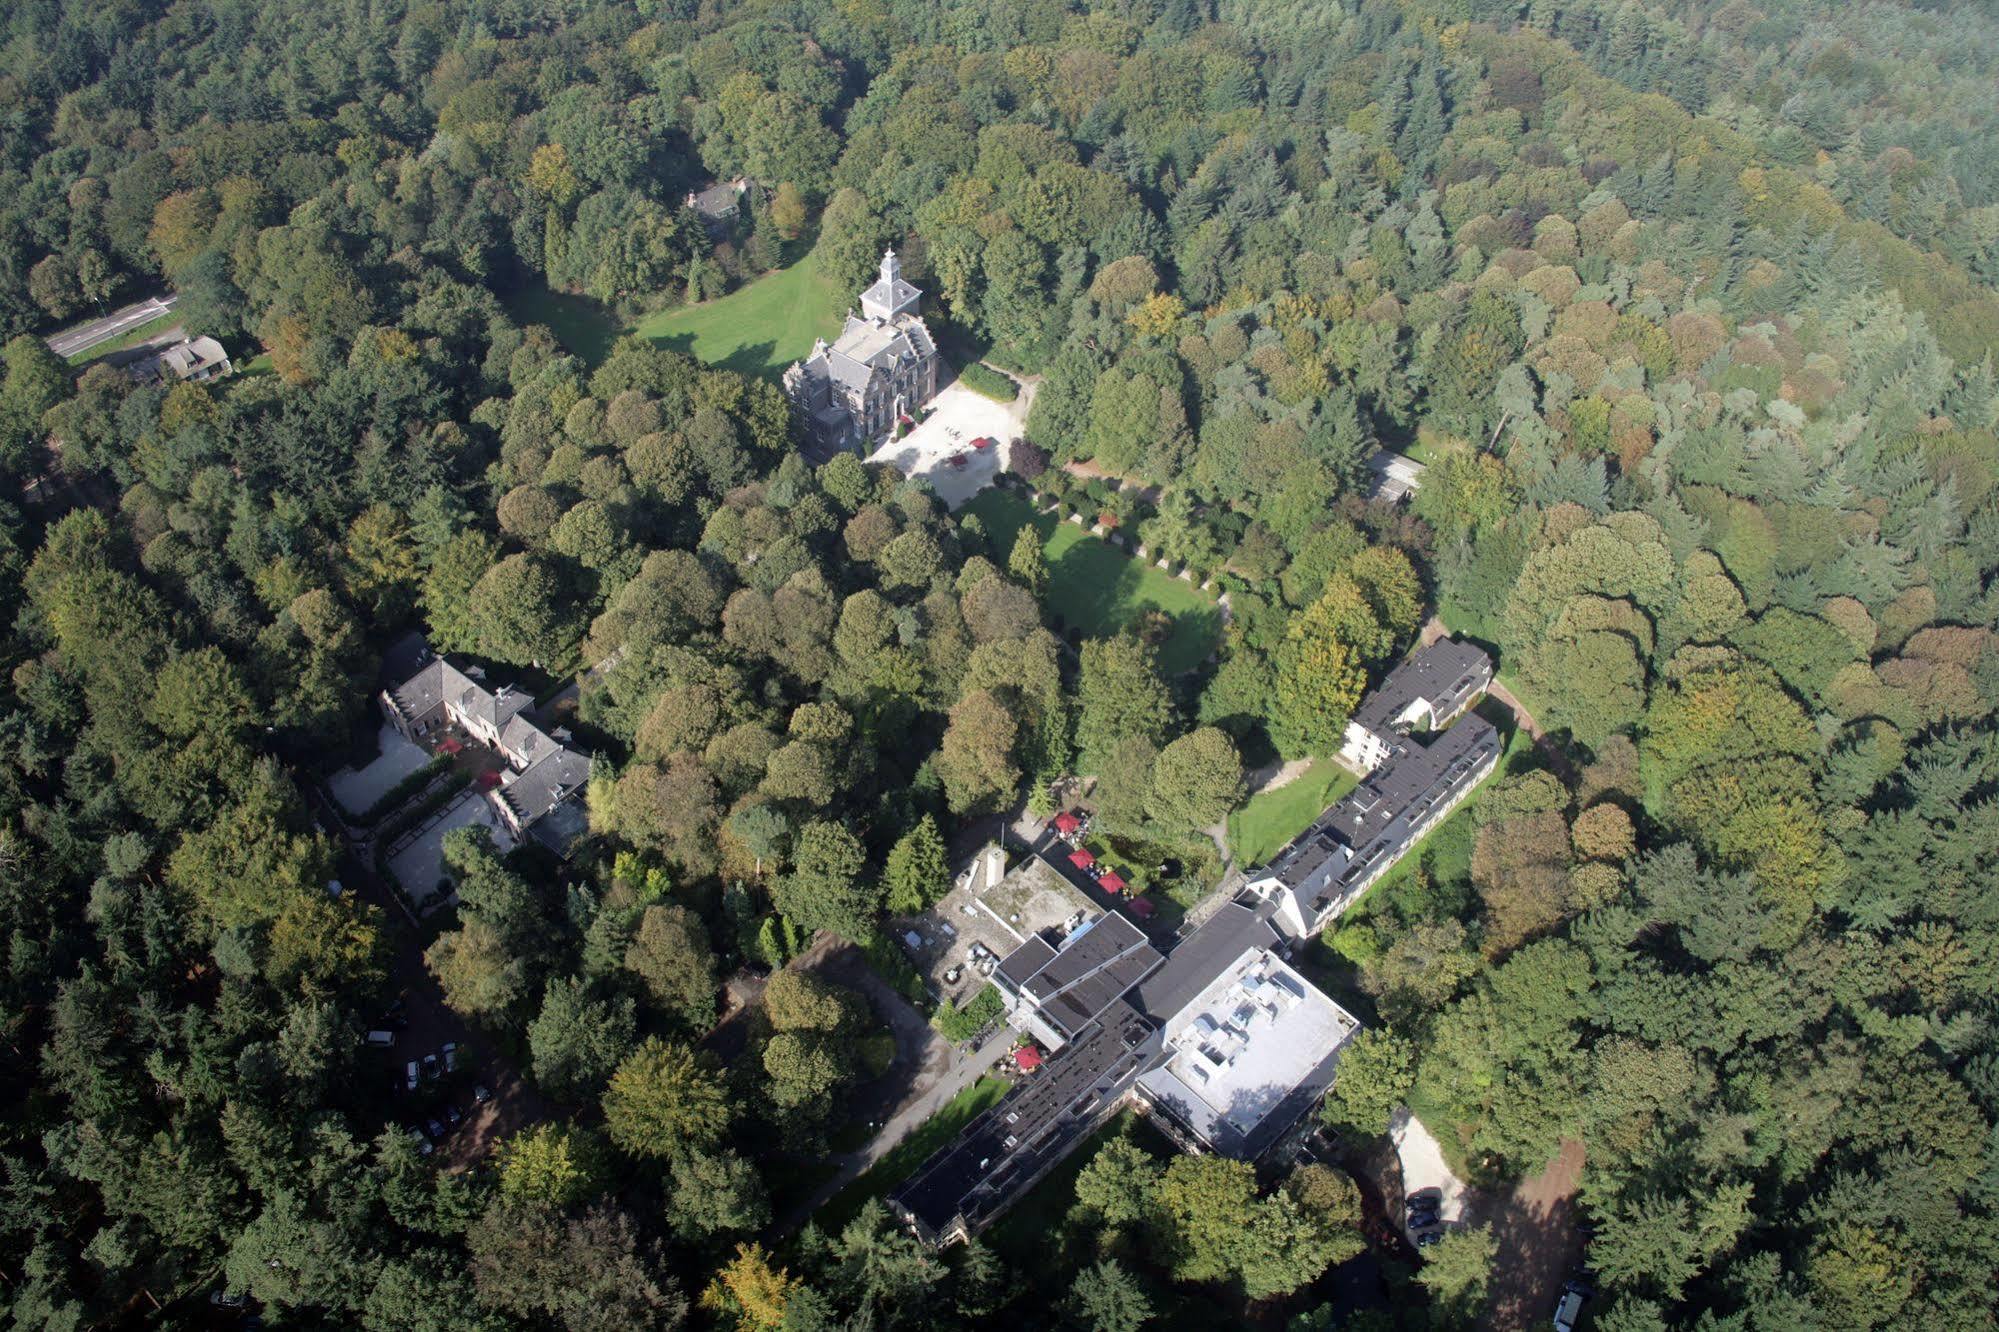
x: 882, y: 366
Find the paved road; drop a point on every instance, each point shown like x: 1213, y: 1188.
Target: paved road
x: 72, y: 341
x: 928, y: 1072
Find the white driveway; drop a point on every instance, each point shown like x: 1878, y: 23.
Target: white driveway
x: 1423, y: 1167
x: 419, y: 867
x: 357, y: 789
x: 957, y: 417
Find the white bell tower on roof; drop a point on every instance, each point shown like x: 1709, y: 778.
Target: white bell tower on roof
x: 890, y: 296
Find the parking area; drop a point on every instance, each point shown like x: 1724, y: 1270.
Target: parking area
x: 941, y: 451
x: 417, y: 860
x: 988, y: 913
x: 357, y: 789
x: 1428, y: 1186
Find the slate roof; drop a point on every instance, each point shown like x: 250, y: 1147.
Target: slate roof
x: 1037, y: 1123
x: 1198, y: 958
x: 525, y: 742
x: 539, y: 789
x: 1374, y: 818
x: 1097, y: 963
x: 1446, y: 673
x: 496, y: 709
x: 718, y: 200
x: 890, y: 295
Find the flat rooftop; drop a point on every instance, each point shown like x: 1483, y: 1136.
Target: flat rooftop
x: 1259, y: 1037
x: 995, y: 909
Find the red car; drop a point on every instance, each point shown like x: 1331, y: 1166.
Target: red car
x: 984, y: 442
x: 957, y: 460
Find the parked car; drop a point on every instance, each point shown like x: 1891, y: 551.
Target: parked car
x: 382, y: 1040
x: 451, y: 1056
x: 1422, y: 1219
x: 224, y: 1298
x: 481, y: 1094
x: 1428, y: 1238
x: 436, y: 1129
x: 453, y: 1116
x: 415, y: 1071
x: 432, y: 1070
x: 1568, y: 1308
x: 398, y: 1016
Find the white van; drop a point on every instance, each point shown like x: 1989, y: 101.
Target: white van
x: 1568, y: 1309
x: 382, y: 1040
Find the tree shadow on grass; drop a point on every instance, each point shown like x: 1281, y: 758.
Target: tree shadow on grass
x: 1105, y: 591
x: 581, y: 324
x: 754, y: 359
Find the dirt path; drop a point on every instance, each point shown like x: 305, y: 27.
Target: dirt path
x: 1274, y: 776
x: 1434, y: 629
x: 1539, y: 1246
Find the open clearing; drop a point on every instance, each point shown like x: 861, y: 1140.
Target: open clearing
x: 1099, y: 589
x: 755, y: 330
x: 958, y: 415
x: 1262, y: 827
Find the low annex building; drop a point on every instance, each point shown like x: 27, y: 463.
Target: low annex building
x: 189, y: 361
x: 882, y: 366
x: 543, y: 775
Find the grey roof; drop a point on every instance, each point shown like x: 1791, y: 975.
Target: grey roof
x: 191, y: 357
x: 718, y: 200
x: 1199, y: 957
x: 1375, y: 818
x: 1444, y: 674
x: 868, y: 346
x: 545, y: 785
x: 424, y: 692
x: 496, y: 709
x: 525, y: 743
x: 1024, y: 961
x: 1095, y: 965
x: 890, y: 296
x: 1001, y: 1153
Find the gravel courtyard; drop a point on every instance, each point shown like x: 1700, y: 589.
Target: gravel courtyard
x: 958, y: 416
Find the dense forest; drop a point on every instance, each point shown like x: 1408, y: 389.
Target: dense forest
x: 1688, y: 307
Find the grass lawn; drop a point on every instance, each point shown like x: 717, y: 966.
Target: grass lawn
x: 131, y: 337
x: 902, y: 1160
x: 758, y: 329
x: 1261, y: 828
x: 1099, y: 589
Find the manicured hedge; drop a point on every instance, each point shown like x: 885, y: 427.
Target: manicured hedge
x: 982, y: 379
x: 404, y: 789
